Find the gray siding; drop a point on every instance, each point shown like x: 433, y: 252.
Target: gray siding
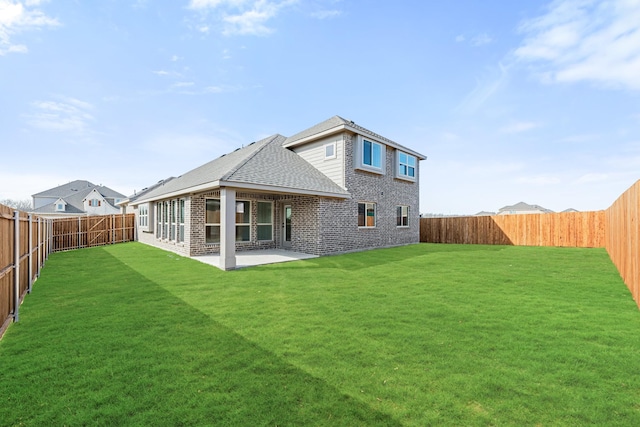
x: 314, y: 154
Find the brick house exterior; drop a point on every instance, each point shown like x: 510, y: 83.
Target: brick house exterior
x: 333, y: 188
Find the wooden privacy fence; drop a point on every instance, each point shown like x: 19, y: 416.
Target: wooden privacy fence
x: 27, y: 240
x: 87, y: 231
x: 623, y: 238
x: 24, y: 246
x: 572, y: 229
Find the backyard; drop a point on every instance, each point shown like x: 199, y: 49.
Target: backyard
x: 418, y: 335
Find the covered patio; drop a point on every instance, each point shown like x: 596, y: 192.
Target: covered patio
x: 256, y: 257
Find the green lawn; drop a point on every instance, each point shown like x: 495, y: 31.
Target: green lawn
x: 418, y: 335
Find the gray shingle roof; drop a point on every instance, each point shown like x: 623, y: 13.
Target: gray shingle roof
x: 275, y: 166
x: 522, y: 206
x: 65, y: 189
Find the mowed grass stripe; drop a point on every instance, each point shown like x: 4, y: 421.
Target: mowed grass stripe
x: 98, y: 343
x: 418, y: 335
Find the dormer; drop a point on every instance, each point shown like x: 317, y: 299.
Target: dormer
x: 60, y: 205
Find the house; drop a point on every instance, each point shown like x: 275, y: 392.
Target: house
x: 77, y: 198
x: 523, y: 208
x: 335, y: 187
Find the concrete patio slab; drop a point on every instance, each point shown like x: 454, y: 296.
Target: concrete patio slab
x: 257, y: 257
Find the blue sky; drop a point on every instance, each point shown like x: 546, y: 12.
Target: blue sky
x: 511, y: 101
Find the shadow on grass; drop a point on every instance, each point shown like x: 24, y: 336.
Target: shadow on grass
x: 126, y: 351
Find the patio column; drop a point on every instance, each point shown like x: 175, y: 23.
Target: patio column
x: 227, y: 228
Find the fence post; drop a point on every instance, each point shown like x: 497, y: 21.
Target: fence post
x: 113, y: 228
x: 30, y: 267
x: 39, y: 239
x: 16, y: 264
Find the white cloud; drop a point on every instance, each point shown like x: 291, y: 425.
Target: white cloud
x: 481, y: 39
x: 519, y: 127
x: 17, y: 17
x: 460, y: 38
x: 591, y: 178
x: 67, y: 115
x: 585, y: 40
x: 326, y: 14
x: 484, y: 90
x: 240, y: 17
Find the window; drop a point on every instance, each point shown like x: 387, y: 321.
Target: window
x: 406, y: 166
x: 369, y: 155
x: 402, y: 216
x: 330, y: 151
x: 165, y: 220
x: 243, y: 221
x: 143, y: 216
x: 181, y: 220
x: 172, y: 220
x: 366, y: 215
x: 60, y: 207
x: 94, y: 203
x: 265, y: 221
x: 212, y: 221
x: 159, y: 216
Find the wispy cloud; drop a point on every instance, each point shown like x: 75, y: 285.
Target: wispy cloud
x: 481, y: 39
x: 485, y: 88
x: 585, y: 40
x: 240, y: 17
x: 326, y: 14
x: 17, y: 17
x: 519, y: 127
x: 65, y: 115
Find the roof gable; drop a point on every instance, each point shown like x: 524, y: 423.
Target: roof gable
x: 337, y: 124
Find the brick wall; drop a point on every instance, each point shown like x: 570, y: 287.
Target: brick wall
x: 339, y: 231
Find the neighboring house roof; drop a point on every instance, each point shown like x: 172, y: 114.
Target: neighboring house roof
x: 570, y: 210
x: 485, y: 213
x: 144, y: 191
x: 522, y: 206
x: 336, y: 124
x: 276, y: 168
x: 74, y: 194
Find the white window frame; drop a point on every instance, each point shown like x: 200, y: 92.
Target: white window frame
x: 238, y: 224
x: 258, y: 224
x: 333, y: 146
x: 360, y: 155
x: 180, y: 230
x: 211, y: 224
x: 400, y: 215
x: 60, y: 207
x: 367, y: 206
x: 143, y: 216
x: 159, y: 220
x: 400, y: 166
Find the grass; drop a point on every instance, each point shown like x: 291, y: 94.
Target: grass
x: 418, y: 335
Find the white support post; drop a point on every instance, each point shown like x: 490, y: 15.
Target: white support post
x: 80, y: 234
x: 16, y: 265
x: 30, y: 267
x: 227, y: 228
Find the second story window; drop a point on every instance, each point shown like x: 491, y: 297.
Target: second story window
x: 406, y: 166
x: 94, y: 203
x: 369, y: 155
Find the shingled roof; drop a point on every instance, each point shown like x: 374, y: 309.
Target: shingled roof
x: 265, y: 163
